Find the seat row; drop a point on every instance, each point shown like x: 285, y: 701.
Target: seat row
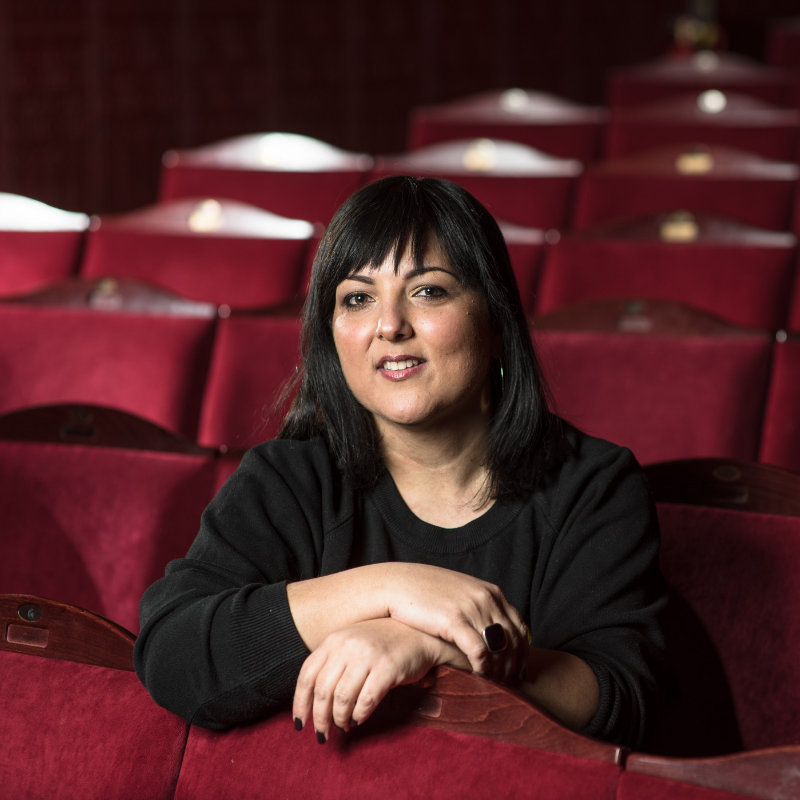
x: 730, y: 549
x: 665, y: 380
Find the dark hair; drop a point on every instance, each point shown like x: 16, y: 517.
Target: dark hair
x: 382, y: 219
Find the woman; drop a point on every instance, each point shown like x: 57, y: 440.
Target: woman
x: 421, y: 506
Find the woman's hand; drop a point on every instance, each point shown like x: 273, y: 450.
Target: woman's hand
x: 456, y: 608
x: 344, y: 679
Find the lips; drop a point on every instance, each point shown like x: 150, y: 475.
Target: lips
x: 400, y: 367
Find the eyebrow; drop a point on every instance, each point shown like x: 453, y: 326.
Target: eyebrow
x: 414, y: 273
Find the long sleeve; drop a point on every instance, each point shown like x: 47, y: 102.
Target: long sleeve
x: 218, y: 644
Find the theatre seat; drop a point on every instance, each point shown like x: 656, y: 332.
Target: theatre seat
x: 218, y: 251
x: 515, y: 182
x: 678, y: 74
x: 254, y: 357
x: 79, y: 731
x: 732, y: 628
x: 39, y: 244
x: 285, y: 173
x: 534, y: 756
x: 783, y: 43
x: 664, y: 380
x: 153, y: 365
x: 735, y: 271
x: 712, y: 117
x: 95, y: 526
x: 780, y: 437
x: 526, y: 247
x: 552, y: 124
x: 706, y: 179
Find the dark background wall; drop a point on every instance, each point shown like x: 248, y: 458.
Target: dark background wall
x: 92, y: 92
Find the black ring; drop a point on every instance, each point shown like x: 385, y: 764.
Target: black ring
x: 495, y: 638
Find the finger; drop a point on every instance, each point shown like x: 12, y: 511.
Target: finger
x: 303, y: 701
x: 346, y: 694
x: 470, y: 642
x: 375, y: 687
x: 324, y: 688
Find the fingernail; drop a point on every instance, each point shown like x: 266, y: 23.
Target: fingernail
x: 320, y: 738
x: 353, y: 723
x: 341, y: 730
x: 523, y: 673
x: 298, y: 724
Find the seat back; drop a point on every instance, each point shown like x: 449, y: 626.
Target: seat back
x: 39, y: 244
x: 515, y: 182
x: 218, y: 251
x: 526, y: 247
x: 659, y: 379
x: 780, y: 437
x: 708, y: 179
x: 737, y: 272
x: 254, y: 358
x: 285, y: 173
x: 73, y: 725
x: 150, y: 365
x: 552, y: 124
x: 95, y: 526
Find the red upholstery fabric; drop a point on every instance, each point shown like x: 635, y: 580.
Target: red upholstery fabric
x: 80, y: 732
x: 769, y: 132
x: 253, y: 357
x: 637, y: 787
x: 31, y: 259
x: 733, y: 631
x: 780, y: 437
x: 744, y: 282
x: 515, y: 182
x: 256, y: 263
x: 380, y: 761
x: 645, y: 83
x: 95, y: 526
x: 665, y: 397
x: 545, y: 122
x: 783, y: 43
x: 152, y: 366
x: 738, y: 185
x: 525, y: 249
x: 294, y: 176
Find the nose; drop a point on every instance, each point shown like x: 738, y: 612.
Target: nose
x: 393, y: 323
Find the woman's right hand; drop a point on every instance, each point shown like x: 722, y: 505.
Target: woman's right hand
x: 456, y: 608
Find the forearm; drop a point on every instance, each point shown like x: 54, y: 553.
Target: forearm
x: 562, y: 684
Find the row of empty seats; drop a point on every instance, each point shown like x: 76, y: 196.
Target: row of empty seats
x: 666, y: 380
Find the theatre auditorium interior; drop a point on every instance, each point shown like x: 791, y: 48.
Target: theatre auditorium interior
x: 167, y: 170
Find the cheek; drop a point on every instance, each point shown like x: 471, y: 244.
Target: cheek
x: 352, y: 343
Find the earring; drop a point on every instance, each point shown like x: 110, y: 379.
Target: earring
x: 502, y: 381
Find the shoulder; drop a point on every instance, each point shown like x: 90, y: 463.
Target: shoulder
x: 596, y: 475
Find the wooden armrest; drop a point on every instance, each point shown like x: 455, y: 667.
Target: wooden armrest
x: 50, y: 628
x: 771, y: 774
x: 453, y: 700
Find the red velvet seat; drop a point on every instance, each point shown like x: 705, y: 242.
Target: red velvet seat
x: 733, y: 629
x: 783, y: 43
x: 515, y: 182
x: 740, y: 273
x: 664, y: 390
x: 95, y: 526
x: 218, y: 251
x: 780, y: 437
x: 712, y: 117
x: 702, y: 179
x: 39, y: 244
x: 253, y: 358
x: 526, y: 247
x: 151, y: 365
x: 79, y: 731
x: 545, y: 122
x: 285, y: 173
x: 634, y: 786
x: 665, y: 77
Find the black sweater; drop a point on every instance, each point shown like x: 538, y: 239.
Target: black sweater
x: 578, y: 559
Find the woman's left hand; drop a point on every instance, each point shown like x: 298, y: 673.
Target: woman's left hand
x: 344, y: 679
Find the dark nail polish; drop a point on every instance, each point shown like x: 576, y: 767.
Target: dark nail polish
x: 341, y: 730
x: 298, y: 724
x: 320, y: 738
x: 353, y: 723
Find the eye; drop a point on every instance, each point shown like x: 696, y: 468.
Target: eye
x: 356, y: 299
x: 430, y: 292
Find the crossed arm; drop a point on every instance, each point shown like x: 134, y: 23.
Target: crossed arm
x: 372, y: 628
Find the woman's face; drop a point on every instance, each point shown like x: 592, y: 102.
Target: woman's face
x: 414, y: 346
